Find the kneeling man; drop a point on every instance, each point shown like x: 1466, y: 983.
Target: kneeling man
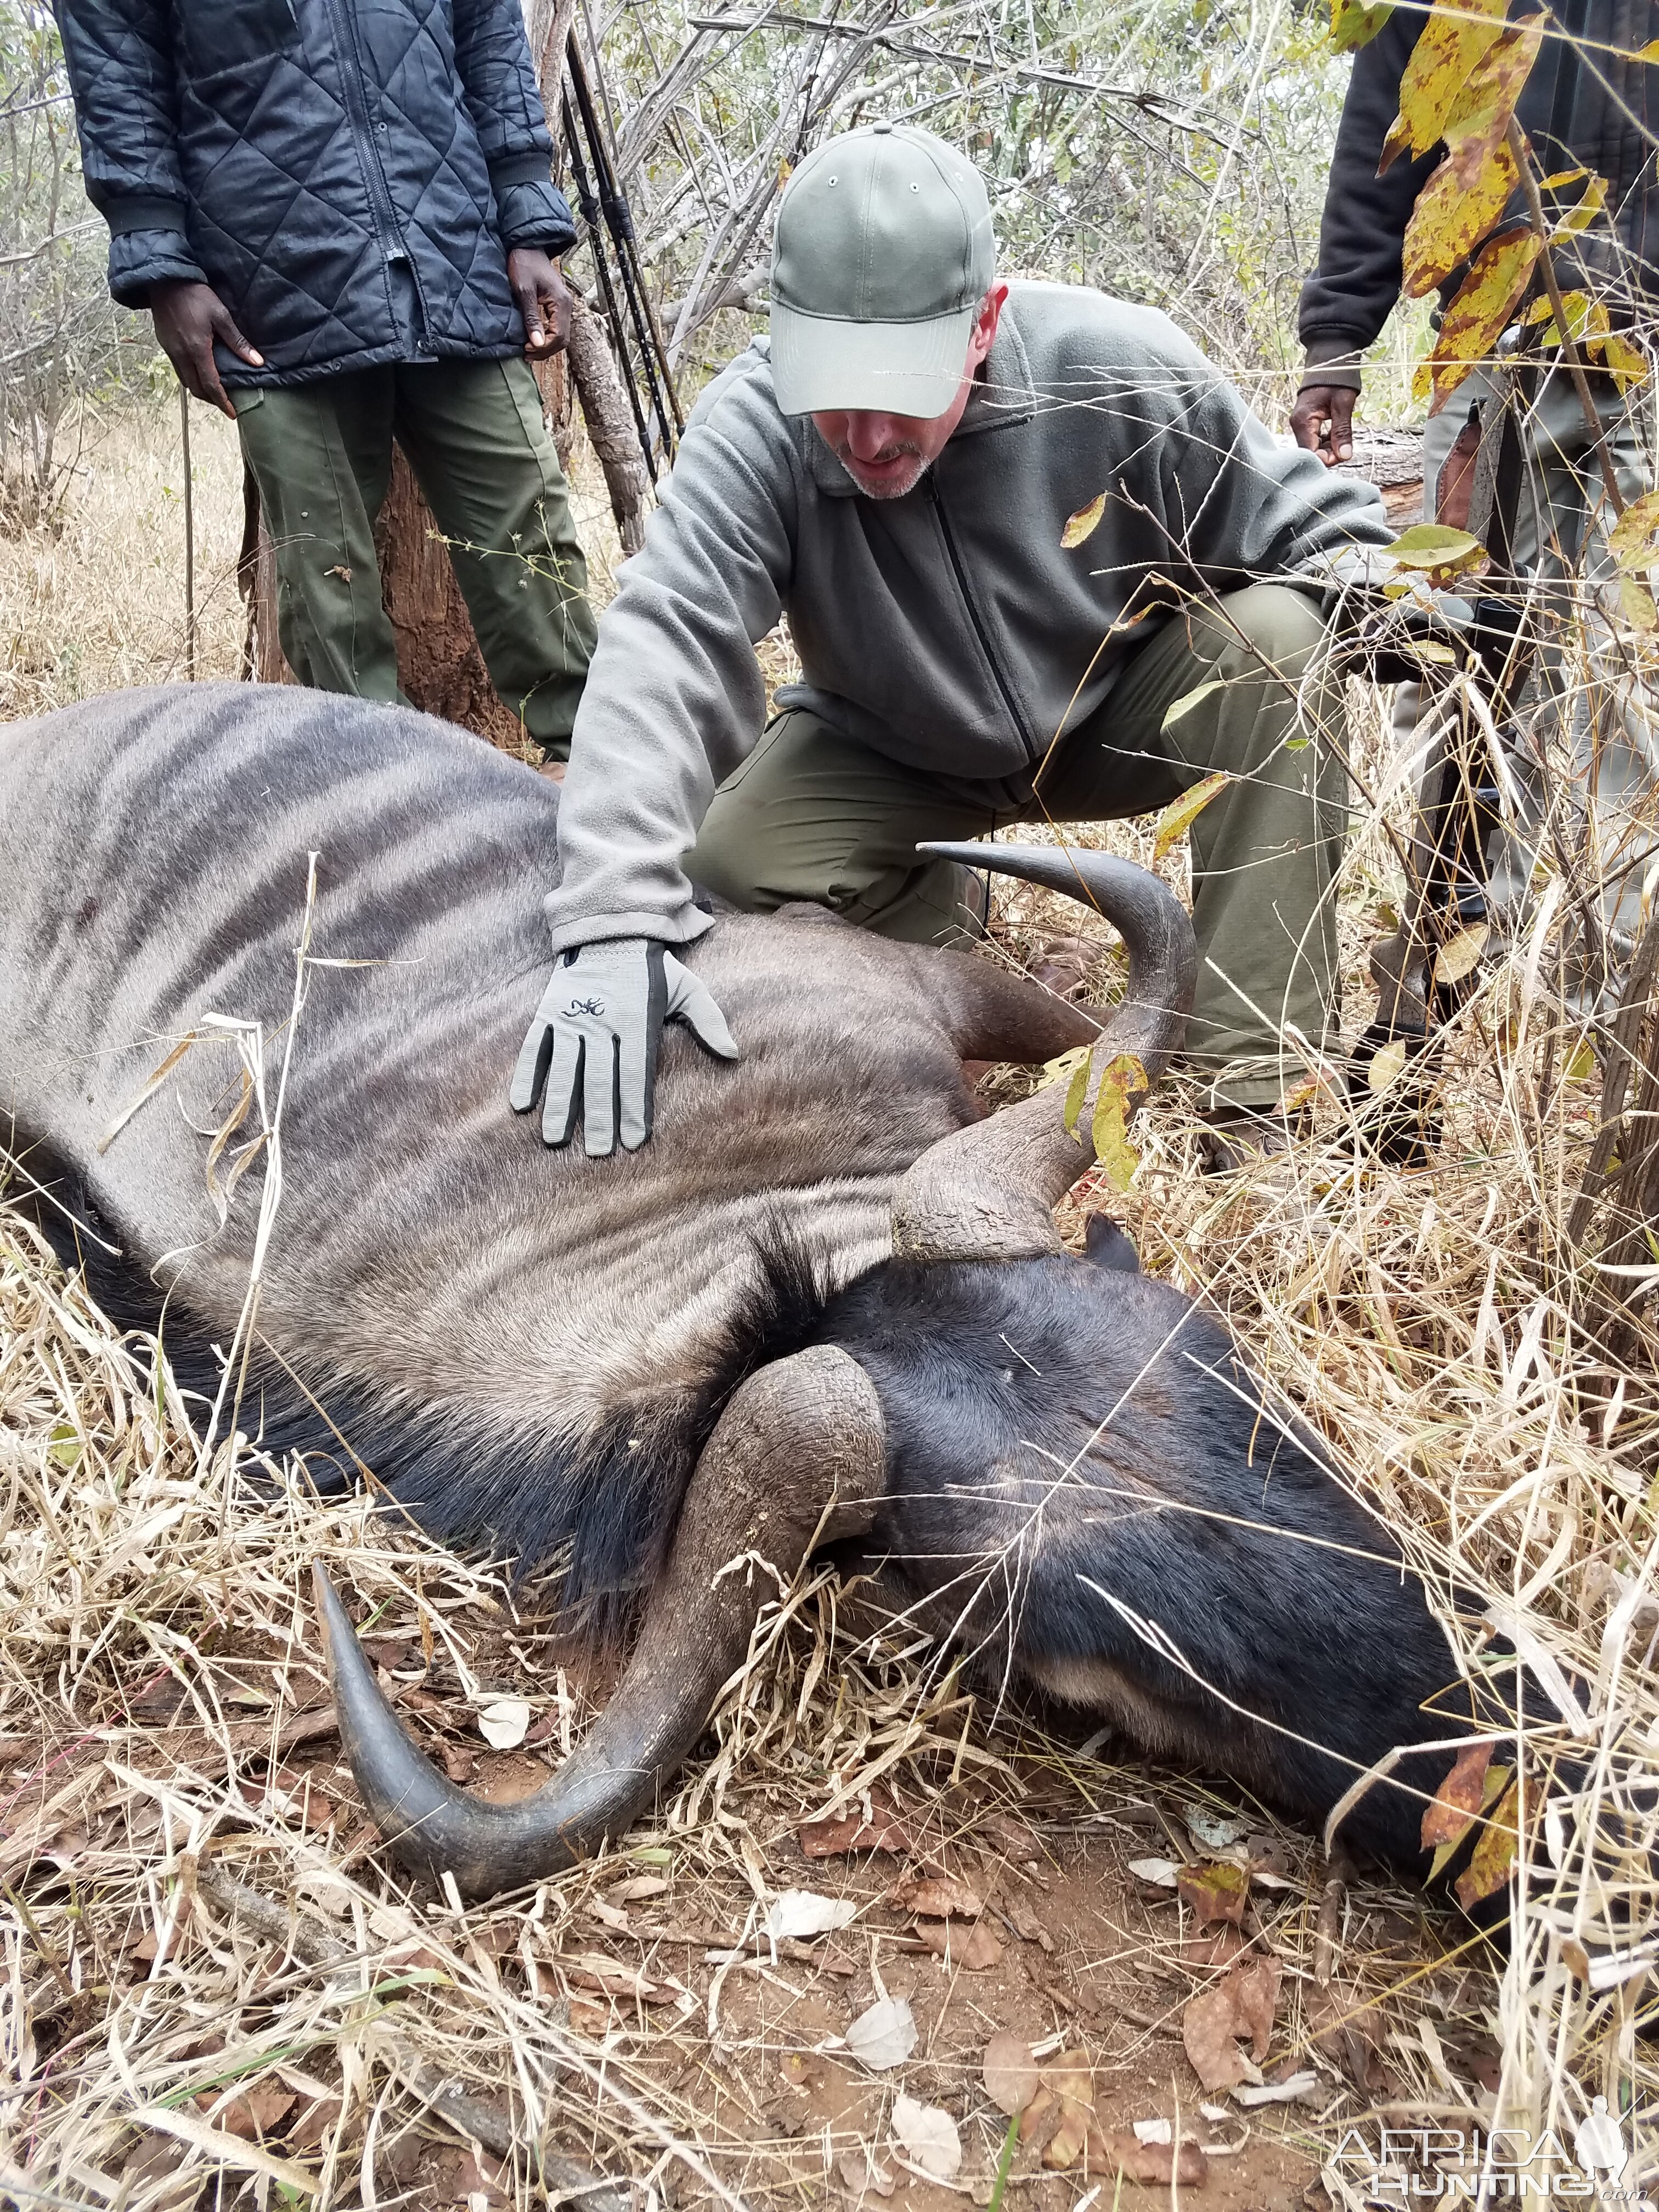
x: 894, y: 472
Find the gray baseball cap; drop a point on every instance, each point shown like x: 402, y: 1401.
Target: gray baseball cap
x: 882, y: 254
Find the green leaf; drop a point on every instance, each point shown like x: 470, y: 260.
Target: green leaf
x: 1184, y: 705
x: 64, y: 1444
x: 1354, y: 25
x: 1436, y: 545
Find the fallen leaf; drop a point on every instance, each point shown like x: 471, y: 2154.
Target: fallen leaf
x: 1161, y: 1873
x: 884, y: 2036
x: 970, y: 1945
x: 929, y: 2135
x: 1213, y: 1831
x: 1461, y: 954
x: 307, y: 2132
x: 1071, y: 2138
x: 1028, y: 1927
x: 1084, y: 522
x: 504, y: 1722
x: 880, y: 1830
x: 1153, y: 2131
x: 1215, y: 1890
x: 940, y: 1896
x: 1489, y: 1865
x: 642, y: 1886
x: 801, y: 1913
x: 593, y: 1971
x: 1255, y: 1990
x: 1153, y: 2164
x: 458, y: 1762
x: 251, y: 2114
x: 1208, y: 2032
x: 1010, y: 2073
x: 859, y: 2172
x: 1457, y: 1800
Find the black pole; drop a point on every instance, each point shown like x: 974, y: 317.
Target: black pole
x: 591, y: 217
x: 619, y: 221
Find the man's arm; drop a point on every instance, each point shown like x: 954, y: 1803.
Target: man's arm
x: 498, y: 82
x: 675, y: 699
x: 120, y: 55
x: 1350, y: 294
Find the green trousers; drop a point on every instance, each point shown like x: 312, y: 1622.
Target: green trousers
x: 812, y: 814
x: 321, y: 454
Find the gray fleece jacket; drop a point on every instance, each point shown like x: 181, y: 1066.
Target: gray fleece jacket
x: 949, y: 629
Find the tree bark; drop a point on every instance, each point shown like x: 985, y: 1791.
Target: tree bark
x: 611, y: 426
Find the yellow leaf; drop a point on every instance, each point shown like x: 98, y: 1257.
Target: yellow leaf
x: 1123, y: 1082
x: 1083, y: 524
x: 1649, y: 52
x: 1581, y: 216
x: 1637, y: 606
x: 1061, y: 1070
x: 1554, y: 183
x: 1450, y: 1815
x: 1449, y: 45
x: 1436, y: 547
x: 1422, y: 380
x: 1481, y: 311
x: 1580, y: 1068
x: 1453, y: 215
x: 1395, y: 144
x: 1489, y: 1865
x: 1452, y: 1834
x: 1180, y: 814
x: 1631, y: 540
x: 1387, y: 1066
x: 1353, y: 24
x: 1629, y: 365
x: 1458, y: 956
x: 1481, y: 114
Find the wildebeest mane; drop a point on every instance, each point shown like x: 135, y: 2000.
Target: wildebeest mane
x: 603, y: 1507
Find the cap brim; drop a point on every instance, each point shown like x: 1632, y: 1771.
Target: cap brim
x: 822, y: 365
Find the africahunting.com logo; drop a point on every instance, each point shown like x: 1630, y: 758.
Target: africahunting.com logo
x: 1415, y: 2166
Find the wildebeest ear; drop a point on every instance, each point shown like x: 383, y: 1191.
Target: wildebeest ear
x: 1107, y: 1245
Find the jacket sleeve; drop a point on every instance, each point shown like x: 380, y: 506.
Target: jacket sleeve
x: 1240, y: 507
x: 1362, y: 230
x: 675, y: 697
x: 119, y: 57
x: 498, y: 85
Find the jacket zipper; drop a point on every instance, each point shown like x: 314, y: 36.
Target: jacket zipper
x: 978, y: 627
x: 392, y: 247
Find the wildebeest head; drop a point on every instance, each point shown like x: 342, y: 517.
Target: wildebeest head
x: 800, y: 1456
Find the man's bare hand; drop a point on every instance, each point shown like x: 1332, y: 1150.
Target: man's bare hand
x: 189, y: 319
x: 543, y: 299
x: 1322, y: 421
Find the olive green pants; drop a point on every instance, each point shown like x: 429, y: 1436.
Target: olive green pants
x: 812, y: 814
x: 321, y: 454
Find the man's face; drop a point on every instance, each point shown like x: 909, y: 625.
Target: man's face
x: 888, y: 455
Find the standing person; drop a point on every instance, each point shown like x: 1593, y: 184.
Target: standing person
x: 895, y: 470
x: 341, y: 215
x: 1589, y: 104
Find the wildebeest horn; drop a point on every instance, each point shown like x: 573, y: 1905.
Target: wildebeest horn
x: 988, y: 1192
x: 797, y: 1455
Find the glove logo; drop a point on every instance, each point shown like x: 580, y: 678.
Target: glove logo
x: 592, y: 1007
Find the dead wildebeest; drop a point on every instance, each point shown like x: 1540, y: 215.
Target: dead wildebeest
x: 826, y: 1302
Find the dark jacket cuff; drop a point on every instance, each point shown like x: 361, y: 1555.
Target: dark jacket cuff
x: 139, y: 258
x: 532, y: 211
x: 1333, y: 359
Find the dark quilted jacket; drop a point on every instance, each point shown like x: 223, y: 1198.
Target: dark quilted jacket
x: 347, y: 174
x: 1604, y: 114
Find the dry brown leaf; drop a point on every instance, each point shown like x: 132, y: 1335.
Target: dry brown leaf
x: 1254, y: 1988
x: 1153, y: 2164
x: 593, y: 1971
x: 1457, y: 1800
x: 968, y: 1944
x: 1208, y: 2029
x: 941, y: 1897
x: 884, y: 1830
x: 251, y: 2114
x: 307, y: 2133
x: 1084, y: 522
x: 1489, y: 1865
x: 1216, y: 1890
x: 1009, y: 2073
x: 1027, y: 1926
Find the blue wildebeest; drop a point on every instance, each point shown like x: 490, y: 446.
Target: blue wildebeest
x: 827, y: 1301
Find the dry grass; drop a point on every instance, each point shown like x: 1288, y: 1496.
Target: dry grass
x: 213, y: 1990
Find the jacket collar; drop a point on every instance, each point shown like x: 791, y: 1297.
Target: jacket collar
x: 1002, y: 396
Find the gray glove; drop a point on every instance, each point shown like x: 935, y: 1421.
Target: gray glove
x: 595, y: 1036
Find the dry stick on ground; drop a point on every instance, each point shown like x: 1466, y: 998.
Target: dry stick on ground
x: 313, y: 1947
x: 1522, y: 151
